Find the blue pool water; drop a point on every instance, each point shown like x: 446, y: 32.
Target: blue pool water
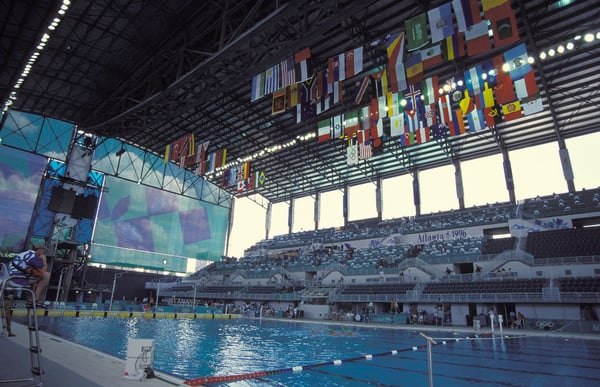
x: 195, y: 348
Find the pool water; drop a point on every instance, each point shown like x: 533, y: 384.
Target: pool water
x: 191, y: 349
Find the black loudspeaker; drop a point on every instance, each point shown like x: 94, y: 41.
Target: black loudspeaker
x: 85, y: 207
x: 62, y: 200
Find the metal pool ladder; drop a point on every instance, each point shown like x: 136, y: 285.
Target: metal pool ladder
x: 7, y: 284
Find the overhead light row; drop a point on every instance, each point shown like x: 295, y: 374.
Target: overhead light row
x: 576, y: 42
x: 267, y: 150
x: 12, y: 96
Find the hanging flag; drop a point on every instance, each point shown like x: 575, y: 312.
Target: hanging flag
x: 258, y: 86
x: 438, y: 132
x: 416, y: 32
x: 526, y: 86
x: 397, y: 125
x: 477, y: 38
x: 445, y: 109
x: 474, y: 79
x: 504, y: 24
x: 453, y: 46
x: 395, y: 104
x: 532, y: 104
x: 324, y: 130
x: 488, y: 96
x: 168, y: 153
x: 272, y: 79
x: 377, y: 147
x: 511, y: 110
x: 365, y: 119
x: 414, y: 69
x: 517, y: 60
x: 430, y: 90
x: 430, y: 115
x: 409, y: 138
x: 414, y: 105
x: 365, y: 151
x: 354, y: 62
x: 336, y: 68
x: 287, y: 72
x: 278, y: 105
x: 459, y: 124
x: 302, y: 60
x: 395, y: 54
x: 466, y: 104
x: 440, y: 22
x: 489, y: 4
x: 351, y: 123
x: 292, y: 95
x: 493, y: 115
x: 337, y: 124
x: 476, y: 120
x: 467, y: 13
x: 363, y: 136
x: 362, y: 90
x: 504, y: 91
x: 423, y: 135
x: 352, y: 152
x: 431, y: 56
x: 337, y: 95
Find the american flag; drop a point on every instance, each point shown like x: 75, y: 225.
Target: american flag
x: 288, y: 72
x: 365, y: 151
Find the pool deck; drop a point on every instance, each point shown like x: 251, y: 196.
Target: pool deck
x: 68, y: 364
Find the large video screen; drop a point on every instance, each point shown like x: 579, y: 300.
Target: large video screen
x: 20, y: 177
x: 133, y: 219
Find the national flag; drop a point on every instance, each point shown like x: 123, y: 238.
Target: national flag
x: 336, y: 68
x: 459, y: 124
x: 272, y: 79
x: 517, y: 60
x: 354, y: 62
x: 499, y: 73
x: 302, y: 59
x: 374, y: 117
x: 292, y: 95
x: 365, y: 151
x: 431, y: 56
x: 395, y: 104
x: 352, y: 153
x: 241, y: 186
x: 413, y: 106
x: 409, y: 138
x: 526, y: 86
x: 306, y: 108
x: 466, y: 104
x: 504, y: 91
x: 438, y: 131
x: 260, y: 178
x: 324, y: 130
x: 488, y: 96
x: 363, y: 136
x: 287, y: 70
x: 414, y: 69
x: 474, y: 79
x: 365, y: 119
x: 337, y: 125
x: 377, y: 146
x: 168, y: 154
x: 489, y: 4
x: 337, y: 95
x: 430, y: 90
x: 445, y: 109
x: 278, y: 105
x: 477, y: 38
x: 351, y: 123
x: 511, y: 110
x: 532, y: 104
x: 258, y: 86
x: 493, y: 115
x: 362, y: 90
x: 423, y: 135
x: 440, y: 22
x: 453, y: 46
x: 467, y: 13
x: 395, y: 54
x: 416, y: 32
x: 430, y: 116
x: 504, y: 24
x: 379, y: 83
x: 476, y: 120
x: 397, y: 125
x: 489, y: 73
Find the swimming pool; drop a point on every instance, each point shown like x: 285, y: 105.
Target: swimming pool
x: 195, y: 348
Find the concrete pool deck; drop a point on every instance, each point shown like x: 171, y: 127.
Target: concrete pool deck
x: 68, y: 364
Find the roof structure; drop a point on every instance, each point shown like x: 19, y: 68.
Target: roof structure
x: 150, y: 72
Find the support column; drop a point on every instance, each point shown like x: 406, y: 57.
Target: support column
x: 317, y: 210
x: 416, y: 192
x: 379, y: 198
x: 268, y: 220
x: 345, y: 205
x: 291, y: 215
x: 460, y: 191
x: 508, y: 176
